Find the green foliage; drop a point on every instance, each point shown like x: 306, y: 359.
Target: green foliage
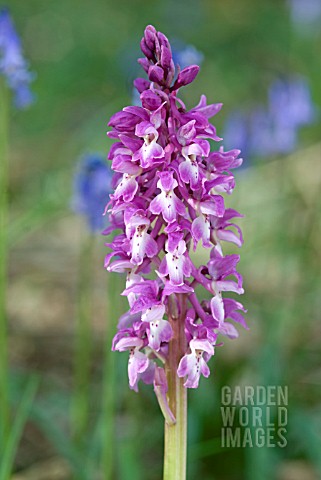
x: 14, y: 436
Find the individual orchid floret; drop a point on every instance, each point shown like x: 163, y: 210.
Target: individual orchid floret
x: 150, y: 150
x: 127, y: 188
x: 194, y: 364
x: 167, y: 203
x: 139, y: 365
x: 221, y: 230
x: 219, y: 268
x: 208, y: 210
x: 160, y: 331
x: 142, y: 243
x: 176, y: 263
x: 201, y: 230
x: 189, y: 168
x: 169, y: 189
x: 152, y: 312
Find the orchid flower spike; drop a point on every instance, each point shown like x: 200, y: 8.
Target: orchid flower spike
x: 168, y: 199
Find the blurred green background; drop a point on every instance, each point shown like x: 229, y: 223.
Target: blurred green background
x: 84, y: 55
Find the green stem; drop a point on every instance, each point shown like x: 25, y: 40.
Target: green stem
x: 176, y: 434
x: 83, y: 343
x: 4, y: 404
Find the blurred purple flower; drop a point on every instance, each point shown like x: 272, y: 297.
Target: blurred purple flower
x: 236, y: 132
x: 273, y: 130
x: 268, y: 137
x: 305, y: 13
x: 290, y: 102
x: 184, y: 55
x: 92, y: 185
x: 13, y: 66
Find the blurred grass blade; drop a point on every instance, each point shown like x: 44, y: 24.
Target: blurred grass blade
x: 60, y: 441
x: 306, y: 427
x: 83, y: 343
x: 109, y: 382
x: 205, y: 449
x: 4, y: 168
x: 14, y: 437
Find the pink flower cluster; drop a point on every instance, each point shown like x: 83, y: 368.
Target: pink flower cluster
x: 167, y: 202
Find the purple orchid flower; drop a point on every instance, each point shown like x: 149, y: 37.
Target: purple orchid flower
x: 167, y: 202
x: 139, y: 365
x: 176, y: 264
x: 169, y: 189
x: 201, y: 345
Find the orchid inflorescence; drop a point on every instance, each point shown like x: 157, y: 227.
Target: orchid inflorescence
x: 167, y: 202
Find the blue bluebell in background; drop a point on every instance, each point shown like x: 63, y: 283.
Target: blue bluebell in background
x: 272, y: 130
x: 13, y: 65
x: 91, y: 189
x: 185, y: 55
x: 290, y: 102
x: 305, y: 15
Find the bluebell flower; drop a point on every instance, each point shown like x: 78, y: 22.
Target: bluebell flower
x: 135, y: 97
x: 235, y: 132
x: 290, y: 102
x: 185, y: 55
x: 273, y: 130
x: 13, y: 66
x: 268, y: 137
x: 92, y: 185
x: 305, y: 13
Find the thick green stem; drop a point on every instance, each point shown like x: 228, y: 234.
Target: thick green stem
x: 4, y: 404
x: 176, y: 434
x: 83, y: 343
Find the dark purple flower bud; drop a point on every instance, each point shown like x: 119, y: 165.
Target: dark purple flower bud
x: 141, y: 84
x: 150, y: 100
x: 166, y: 58
x: 163, y: 40
x: 123, y: 121
x: 186, y: 76
x: 156, y: 74
x: 146, y: 51
x: 150, y: 36
x: 144, y: 63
